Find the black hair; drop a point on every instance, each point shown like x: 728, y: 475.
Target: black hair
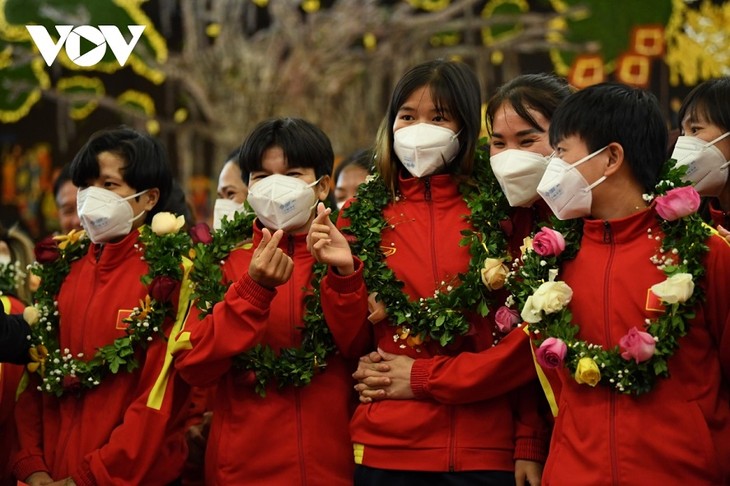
x: 304, y: 145
x: 454, y: 88
x: 611, y: 112
x: 63, y: 177
x: 362, y: 158
x: 540, y: 92
x: 710, y: 101
x: 233, y: 157
x: 146, y: 163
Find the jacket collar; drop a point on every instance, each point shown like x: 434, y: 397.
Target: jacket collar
x: 112, y: 255
x: 442, y: 186
x: 621, y: 230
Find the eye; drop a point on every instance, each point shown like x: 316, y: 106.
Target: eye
x: 405, y: 117
x: 498, y: 144
x: 527, y: 142
x: 439, y: 119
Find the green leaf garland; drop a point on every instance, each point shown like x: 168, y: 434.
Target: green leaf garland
x: 440, y: 318
x: 292, y: 366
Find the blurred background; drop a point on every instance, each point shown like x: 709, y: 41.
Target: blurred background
x: 204, y: 72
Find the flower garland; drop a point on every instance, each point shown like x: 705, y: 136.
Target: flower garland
x: 292, y: 366
x: 543, y: 300
x: 442, y: 317
x: 11, y: 276
x: 62, y: 372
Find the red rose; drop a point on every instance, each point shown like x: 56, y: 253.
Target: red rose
x: 71, y: 383
x: 163, y: 288
x: 46, y: 251
x: 200, y: 233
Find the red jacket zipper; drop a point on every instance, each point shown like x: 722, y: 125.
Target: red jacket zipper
x: 608, y: 238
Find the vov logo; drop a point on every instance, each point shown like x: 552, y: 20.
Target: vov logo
x: 105, y: 35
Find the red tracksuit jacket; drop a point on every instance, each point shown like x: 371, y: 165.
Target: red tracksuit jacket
x: 679, y: 432
x: 422, y: 247
x: 294, y: 435
x: 9, y: 378
x: 115, y: 433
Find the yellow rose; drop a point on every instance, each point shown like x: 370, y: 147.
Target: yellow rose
x: 526, y: 245
x: 494, y: 273
x: 31, y: 315
x: 676, y: 289
x: 587, y: 372
x: 166, y: 223
x: 552, y: 297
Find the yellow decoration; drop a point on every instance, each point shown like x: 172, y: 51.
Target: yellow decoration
x: 180, y: 115
x: 153, y: 127
x: 369, y: 41
x: 138, y: 100
x: 497, y: 57
x: 260, y: 3
x: 587, y: 70
x: 38, y: 67
x: 695, y: 40
x: 430, y: 5
x: 633, y: 69
x: 310, y: 6
x: 213, y: 30
x: 80, y: 110
x: 488, y: 37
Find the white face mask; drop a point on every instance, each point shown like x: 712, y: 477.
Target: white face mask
x: 519, y: 172
x: 707, y: 168
x: 565, y: 189
x: 282, y: 202
x: 105, y: 215
x: 424, y: 148
x: 227, y: 208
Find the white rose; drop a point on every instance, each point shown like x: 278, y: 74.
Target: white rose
x: 552, y: 297
x: 676, y: 289
x: 530, y: 313
x: 166, y: 223
x: 31, y: 315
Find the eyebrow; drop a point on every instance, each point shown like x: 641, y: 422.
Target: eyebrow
x: 521, y: 133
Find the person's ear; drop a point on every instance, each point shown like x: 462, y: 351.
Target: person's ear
x: 323, y: 187
x: 615, y: 152
x: 153, y: 197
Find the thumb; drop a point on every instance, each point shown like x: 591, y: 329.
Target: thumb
x: 386, y: 356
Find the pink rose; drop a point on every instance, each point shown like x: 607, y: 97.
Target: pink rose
x: 506, y: 319
x: 551, y: 353
x: 548, y: 242
x: 678, y: 203
x: 639, y: 345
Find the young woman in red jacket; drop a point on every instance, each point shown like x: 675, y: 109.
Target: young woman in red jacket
x: 704, y: 146
x: 101, y: 407
x: 629, y: 309
x: 283, y: 395
x: 424, y: 228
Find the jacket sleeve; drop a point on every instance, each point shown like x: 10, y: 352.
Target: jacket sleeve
x: 205, y: 348
x: 14, y: 343
x: 532, y: 425
x: 717, y: 303
x: 345, y: 307
x: 28, y: 414
x: 472, y: 377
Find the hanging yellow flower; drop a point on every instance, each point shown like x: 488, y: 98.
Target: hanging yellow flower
x: 38, y: 356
